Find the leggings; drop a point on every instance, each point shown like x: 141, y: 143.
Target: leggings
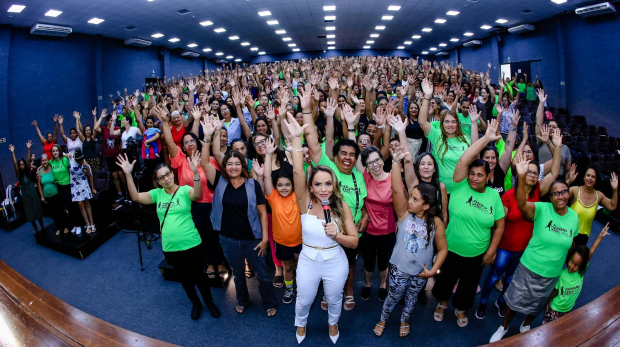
x: 506, y: 261
x: 54, y: 206
x: 377, y: 248
x: 402, y: 284
x: 211, y: 248
x: 64, y: 197
x: 188, y: 264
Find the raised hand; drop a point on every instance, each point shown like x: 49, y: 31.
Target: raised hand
x: 515, y: 118
x: 12, y: 148
x: 522, y: 164
x: 55, y: 118
x: 196, y: 113
x: 398, y: 153
x: 289, y: 143
x: 95, y: 112
x: 380, y: 117
x: 474, y: 115
x: 293, y: 127
x: 427, y: 88
x: 604, y: 232
x: 541, y: 96
x: 331, y: 107
x: 194, y: 162
x: 270, y: 146
x: 397, y: 124
x: 123, y: 163
x: 34, y: 123
x: 304, y: 98
x: 77, y: 115
x: 207, y: 127
x: 491, y: 133
x: 614, y: 181
x: 29, y: 144
x: 271, y: 112
x: 557, y: 137
x: 572, y: 174
x: 60, y: 119
x: 258, y: 168
x: 348, y: 114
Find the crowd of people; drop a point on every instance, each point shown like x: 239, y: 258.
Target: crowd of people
x: 419, y: 169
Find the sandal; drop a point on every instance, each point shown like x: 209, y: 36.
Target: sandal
x: 272, y: 312
x: 462, y: 322
x: 377, y: 332
x: 93, y: 229
x: 88, y: 229
x: 222, y: 274
x: 57, y: 232
x: 349, y: 302
x: 404, y: 330
x: 248, y: 272
x: 210, y: 274
x: 66, y: 231
x: 439, y: 316
x: 240, y: 309
x: 278, y: 281
x: 324, y: 304
x: 499, y: 285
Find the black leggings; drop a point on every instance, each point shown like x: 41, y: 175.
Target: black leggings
x: 201, y: 214
x: 377, y: 248
x: 65, y: 202
x: 53, y: 205
x: 464, y: 269
x: 188, y: 264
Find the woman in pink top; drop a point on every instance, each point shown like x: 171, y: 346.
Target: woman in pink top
x: 201, y: 208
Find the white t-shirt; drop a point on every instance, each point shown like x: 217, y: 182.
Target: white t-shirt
x: 133, y: 132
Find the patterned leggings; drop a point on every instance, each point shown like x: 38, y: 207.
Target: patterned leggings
x: 401, y: 284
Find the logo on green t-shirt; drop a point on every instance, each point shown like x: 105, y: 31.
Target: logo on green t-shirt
x: 558, y: 230
x: 477, y: 204
x: 570, y: 290
x: 163, y: 204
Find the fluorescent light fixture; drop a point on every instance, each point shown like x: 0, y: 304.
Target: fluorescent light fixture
x: 331, y: 42
x: 16, y: 8
x: 558, y: 1
x: 158, y: 35
x: 329, y: 8
x: 264, y: 13
x: 501, y: 21
x: 393, y: 8
x: 219, y: 53
x: 425, y: 52
x: 207, y: 50
x: 229, y: 57
x: 96, y: 21
x: 245, y: 43
x: 206, y: 23
x: 219, y: 30
x: 370, y: 41
x: 440, y: 20
x: 443, y: 44
x: 280, y: 32
x: 366, y: 47
x: 254, y: 49
x: 468, y: 34
x: 400, y: 47
x: 192, y: 45
x: 408, y: 42
x: 486, y: 27
x: 292, y: 45
x: 53, y: 13
x: 433, y: 48
x: 374, y: 35
x: 417, y: 37
x: 380, y: 27
x: 295, y: 49
x: 330, y: 28
x: 387, y: 17
x: 238, y: 59
x: 233, y: 37
x: 454, y: 40
x: 286, y: 39
x: 272, y: 22
x: 452, y: 13
x: 331, y: 47
x: 330, y: 17
x: 427, y: 30
x: 331, y: 36
x: 261, y: 53
x: 174, y: 39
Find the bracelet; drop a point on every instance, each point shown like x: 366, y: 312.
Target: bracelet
x: 298, y: 150
x: 196, y: 180
x: 395, y: 162
x: 207, y: 140
x: 306, y: 113
x: 351, y: 130
x: 381, y: 126
x: 512, y: 128
x: 427, y: 99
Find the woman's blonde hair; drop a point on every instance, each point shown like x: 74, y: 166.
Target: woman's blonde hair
x: 335, y: 201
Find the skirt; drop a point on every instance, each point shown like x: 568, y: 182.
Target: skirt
x: 528, y: 292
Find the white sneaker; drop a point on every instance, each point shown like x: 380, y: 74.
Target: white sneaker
x: 524, y: 328
x: 73, y: 230
x: 498, y: 334
x: 78, y: 230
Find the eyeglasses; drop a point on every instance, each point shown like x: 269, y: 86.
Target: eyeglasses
x: 364, y: 142
x: 528, y: 152
x: 375, y: 162
x: 224, y: 110
x: 532, y: 173
x: 166, y: 175
x: 260, y: 143
x: 189, y: 142
x: 560, y: 193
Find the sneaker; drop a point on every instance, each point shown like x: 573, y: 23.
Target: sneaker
x: 78, y: 230
x: 524, y: 328
x: 73, y: 230
x: 288, y: 296
x: 480, y: 312
x: 501, y: 332
x: 119, y: 198
x: 501, y: 308
x: 365, y: 293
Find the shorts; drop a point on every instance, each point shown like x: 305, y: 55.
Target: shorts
x: 351, y: 254
x: 111, y: 162
x: 551, y: 315
x: 286, y: 253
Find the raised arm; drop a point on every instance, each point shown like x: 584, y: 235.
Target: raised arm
x: 78, y: 126
x: 506, y: 157
x: 609, y: 204
x: 196, y: 192
x: 399, y: 195
x: 540, y: 111
x: 299, y: 176
x: 173, y: 150
x: 461, y: 171
x: 62, y: 130
x: 311, y: 135
x: 427, y: 88
x: 208, y: 129
x: 97, y: 127
x: 270, y: 148
x: 545, y: 183
x: 142, y: 198
x: 15, y: 167
x: 527, y: 208
x: 35, y: 124
x: 603, y: 233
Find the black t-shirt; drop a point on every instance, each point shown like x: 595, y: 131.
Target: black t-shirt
x: 235, y: 221
x: 498, y: 180
x: 485, y: 109
x: 414, y: 131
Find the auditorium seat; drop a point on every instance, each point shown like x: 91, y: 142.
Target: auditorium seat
x: 608, y: 163
x: 592, y: 130
x: 575, y: 129
x: 602, y: 131
x: 581, y: 120
x: 603, y: 144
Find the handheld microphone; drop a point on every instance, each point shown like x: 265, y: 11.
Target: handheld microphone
x: 326, y: 210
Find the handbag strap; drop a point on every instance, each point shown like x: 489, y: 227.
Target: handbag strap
x: 161, y: 228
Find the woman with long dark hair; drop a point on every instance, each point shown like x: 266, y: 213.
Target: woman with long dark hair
x: 30, y: 199
x: 49, y: 193
x: 60, y: 168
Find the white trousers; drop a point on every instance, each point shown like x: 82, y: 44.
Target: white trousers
x: 333, y: 272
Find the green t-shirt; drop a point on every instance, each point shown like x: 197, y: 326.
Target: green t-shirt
x: 465, y: 124
x: 347, y: 187
x: 48, y: 184
x: 472, y: 215
x: 179, y: 232
x: 446, y: 164
x: 568, y: 286
x: 521, y: 87
x: 551, y: 239
x: 60, y: 168
x: 133, y: 119
x: 530, y: 94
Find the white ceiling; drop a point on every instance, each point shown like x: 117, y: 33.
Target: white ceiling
x: 303, y: 21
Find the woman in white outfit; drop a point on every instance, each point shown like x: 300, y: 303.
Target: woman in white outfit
x: 321, y: 258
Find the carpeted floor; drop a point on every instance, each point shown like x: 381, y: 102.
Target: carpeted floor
x: 109, y: 285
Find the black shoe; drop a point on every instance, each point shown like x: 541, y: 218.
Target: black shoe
x: 365, y: 293
x: 119, y: 199
x: 215, y: 312
x: 383, y: 293
x: 288, y: 296
x: 196, y: 308
x: 501, y: 308
x: 480, y: 314
x: 422, y: 298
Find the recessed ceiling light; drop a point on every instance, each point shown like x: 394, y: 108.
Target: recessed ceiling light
x: 192, y: 45
x: 374, y: 35
x: 331, y: 42
x: 433, y: 48
x: 237, y: 59
x: 285, y: 39
x: 219, y: 30
x: 400, y: 47
x: 387, y: 17
x: 245, y: 43
x: 254, y: 49
x: 417, y: 37
x: 331, y: 36
x: 380, y: 27
x: 16, y: 8
x: 206, y: 23
x: 207, y: 50
x: 53, y: 13
x: 96, y: 21
x: 443, y: 44
x: 468, y: 34
x: 558, y: 1
x: 229, y: 57
x: 295, y: 49
x: 393, y: 8
x: 370, y: 41
x: 366, y: 47
x: 330, y: 28
x: 440, y: 20
x: 330, y: 17
x: 174, y: 39
x: 261, y: 53
x: 486, y: 27
x: 425, y: 52
x: 158, y: 35
x: 292, y: 45
x: 501, y: 21
x: 454, y: 40
x: 233, y: 37
x: 219, y: 53
x: 264, y: 13
x: 427, y: 30
x: 452, y: 13
x: 331, y: 47
x: 329, y: 8
x: 280, y: 32
x: 408, y: 42
x: 272, y: 22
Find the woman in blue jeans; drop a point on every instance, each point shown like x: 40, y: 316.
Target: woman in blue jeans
x: 239, y: 214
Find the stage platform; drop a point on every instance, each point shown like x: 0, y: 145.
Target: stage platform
x: 78, y: 246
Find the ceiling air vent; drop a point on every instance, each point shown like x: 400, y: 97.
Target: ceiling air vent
x: 521, y: 29
x: 441, y: 53
x: 596, y: 10
x: 189, y: 54
x: 221, y: 61
x: 131, y: 28
x: 50, y: 30
x: 183, y: 11
x: 137, y: 42
x: 472, y: 43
